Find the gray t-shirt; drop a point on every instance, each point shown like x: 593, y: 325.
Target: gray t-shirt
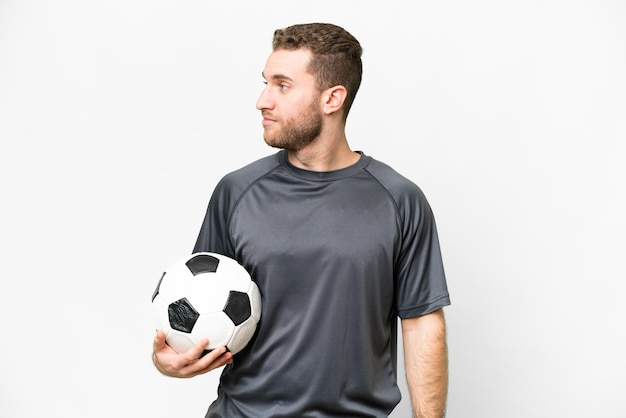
x: 337, y: 256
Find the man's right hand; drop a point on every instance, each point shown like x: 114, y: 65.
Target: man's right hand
x: 189, y: 363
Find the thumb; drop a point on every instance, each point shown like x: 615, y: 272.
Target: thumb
x: 159, y: 341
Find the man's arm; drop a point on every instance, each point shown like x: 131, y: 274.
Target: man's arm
x: 426, y: 363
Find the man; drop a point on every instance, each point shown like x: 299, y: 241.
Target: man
x: 340, y: 246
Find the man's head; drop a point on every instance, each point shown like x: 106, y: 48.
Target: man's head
x: 312, y: 76
x: 335, y: 59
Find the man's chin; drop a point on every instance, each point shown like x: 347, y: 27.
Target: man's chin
x: 268, y: 138
x: 272, y: 142
x: 287, y: 142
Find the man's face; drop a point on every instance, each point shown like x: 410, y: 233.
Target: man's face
x: 290, y: 103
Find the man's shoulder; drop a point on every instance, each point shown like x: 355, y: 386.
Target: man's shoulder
x: 391, y: 179
x: 251, y: 171
x: 248, y: 174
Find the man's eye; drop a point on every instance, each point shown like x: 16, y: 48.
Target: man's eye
x: 284, y: 87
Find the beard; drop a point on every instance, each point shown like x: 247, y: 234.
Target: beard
x: 296, y: 133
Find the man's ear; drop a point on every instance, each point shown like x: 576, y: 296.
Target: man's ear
x: 333, y: 99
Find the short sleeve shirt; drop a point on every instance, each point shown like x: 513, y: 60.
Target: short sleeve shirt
x: 338, y: 256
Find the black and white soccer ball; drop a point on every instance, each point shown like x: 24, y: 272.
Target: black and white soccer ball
x: 207, y: 295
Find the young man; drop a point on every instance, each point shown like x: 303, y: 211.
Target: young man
x: 339, y: 244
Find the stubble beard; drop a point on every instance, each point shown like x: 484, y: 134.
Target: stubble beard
x: 296, y: 133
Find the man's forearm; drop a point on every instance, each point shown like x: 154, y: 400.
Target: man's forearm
x: 426, y: 364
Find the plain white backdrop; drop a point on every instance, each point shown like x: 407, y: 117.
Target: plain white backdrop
x: 117, y: 119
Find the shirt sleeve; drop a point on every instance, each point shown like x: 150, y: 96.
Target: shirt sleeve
x: 213, y: 235
x: 420, y: 280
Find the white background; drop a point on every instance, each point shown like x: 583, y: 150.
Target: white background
x: 117, y: 118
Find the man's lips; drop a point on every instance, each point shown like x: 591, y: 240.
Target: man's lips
x: 267, y: 121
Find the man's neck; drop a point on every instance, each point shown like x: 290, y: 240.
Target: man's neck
x: 322, y: 157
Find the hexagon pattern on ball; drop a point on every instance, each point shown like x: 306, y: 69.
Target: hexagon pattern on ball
x: 207, y: 295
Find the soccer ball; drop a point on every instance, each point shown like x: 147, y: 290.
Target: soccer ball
x: 207, y: 295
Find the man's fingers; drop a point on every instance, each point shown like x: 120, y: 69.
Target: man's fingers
x: 216, y: 358
x: 191, y: 362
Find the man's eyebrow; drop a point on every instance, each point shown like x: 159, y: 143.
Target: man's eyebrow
x: 277, y: 77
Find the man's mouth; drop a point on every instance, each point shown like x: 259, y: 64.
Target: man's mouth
x: 267, y: 120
